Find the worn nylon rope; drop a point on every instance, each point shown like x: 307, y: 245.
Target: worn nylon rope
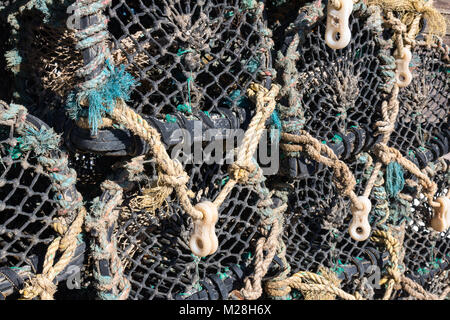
x: 172, y: 172
x: 344, y: 178
x: 319, y: 285
x: 42, y: 284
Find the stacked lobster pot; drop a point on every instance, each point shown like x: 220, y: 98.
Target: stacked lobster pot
x: 224, y: 149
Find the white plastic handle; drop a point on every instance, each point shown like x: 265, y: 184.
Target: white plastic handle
x: 337, y: 33
x: 359, y: 228
x: 403, y: 75
x: 441, y: 218
x: 203, y: 241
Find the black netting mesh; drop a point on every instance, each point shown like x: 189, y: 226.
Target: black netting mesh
x: 424, y: 103
x: 26, y: 203
x: 157, y: 258
x: 338, y: 87
x: 204, y: 55
x: 187, y: 52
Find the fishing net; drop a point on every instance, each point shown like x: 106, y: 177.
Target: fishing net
x: 38, y: 199
x: 423, y: 118
x: 341, y: 94
x: 188, y: 53
x: 160, y: 264
x: 201, y: 65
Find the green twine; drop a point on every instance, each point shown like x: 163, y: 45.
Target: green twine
x: 241, y: 101
x: 184, y: 108
x: 102, y: 99
x: 171, y: 119
x: 337, y: 268
x: 180, y: 52
x: 41, y: 141
x: 253, y: 65
x: 337, y: 138
x: 295, y: 294
x: 248, y: 4
x: 225, y: 180
x: 276, y: 123
x: 16, y: 151
x: 229, y: 14
x: 187, y: 108
x: 223, y: 275
x: 394, y: 179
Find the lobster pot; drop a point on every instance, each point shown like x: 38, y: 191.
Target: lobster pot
x: 29, y: 207
x: 341, y: 94
x: 339, y: 89
x: 154, y: 248
x: 423, y: 121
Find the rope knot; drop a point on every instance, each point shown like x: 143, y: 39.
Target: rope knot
x: 395, y: 274
x: 385, y: 154
x: 39, y: 286
x: 178, y: 177
x: 278, y: 288
x: 240, y: 172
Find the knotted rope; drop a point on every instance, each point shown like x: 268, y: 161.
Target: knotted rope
x: 410, y: 9
x: 388, y: 154
x: 101, y: 222
x: 390, y: 109
x: 393, y: 247
x: 42, y: 284
x: 343, y: 177
x: 271, y: 244
x: 242, y: 169
x: 317, y: 285
x: 171, y: 172
x: 396, y: 279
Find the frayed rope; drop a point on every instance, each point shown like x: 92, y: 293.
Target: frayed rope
x: 102, y: 99
x: 42, y: 141
x: 394, y: 179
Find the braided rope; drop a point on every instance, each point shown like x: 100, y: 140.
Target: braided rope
x: 319, y: 285
x: 42, y: 284
x: 171, y: 171
x: 243, y: 167
x: 418, y: 292
x: 393, y: 247
x: 101, y: 222
x: 343, y: 177
x: 271, y: 244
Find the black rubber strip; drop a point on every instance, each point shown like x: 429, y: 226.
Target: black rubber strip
x: 12, y: 277
x: 220, y: 286
x: 213, y: 295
